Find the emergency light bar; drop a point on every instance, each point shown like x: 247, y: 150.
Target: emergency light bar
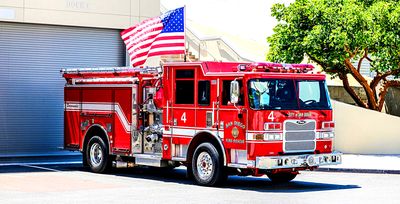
x: 276, y: 67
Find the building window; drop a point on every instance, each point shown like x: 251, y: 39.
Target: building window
x: 203, y: 95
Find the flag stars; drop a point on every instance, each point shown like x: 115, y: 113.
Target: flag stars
x: 173, y: 21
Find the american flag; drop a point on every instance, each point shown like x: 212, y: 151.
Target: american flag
x: 160, y: 35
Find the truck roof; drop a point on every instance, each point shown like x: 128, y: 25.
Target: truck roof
x: 211, y: 68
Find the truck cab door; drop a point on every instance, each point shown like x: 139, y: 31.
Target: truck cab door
x: 233, y: 117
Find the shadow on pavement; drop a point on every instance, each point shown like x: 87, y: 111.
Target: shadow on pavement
x: 178, y: 175
x: 234, y: 182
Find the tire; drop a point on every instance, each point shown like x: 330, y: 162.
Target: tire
x: 207, y: 166
x: 282, y: 177
x: 97, y: 156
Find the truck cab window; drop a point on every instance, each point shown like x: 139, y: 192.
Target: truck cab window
x: 203, y: 95
x: 184, y: 93
x: 226, y: 97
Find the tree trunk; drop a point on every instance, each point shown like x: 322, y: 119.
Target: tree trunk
x: 383, y: 92
x: 351, y: 91
x: 371, y: 100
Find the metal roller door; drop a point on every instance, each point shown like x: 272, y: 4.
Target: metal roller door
x: 31, y: 87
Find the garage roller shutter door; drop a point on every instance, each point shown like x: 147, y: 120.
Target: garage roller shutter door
x: 31, y: 87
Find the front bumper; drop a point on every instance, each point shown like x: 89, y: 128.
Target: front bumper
x: 298, y: 161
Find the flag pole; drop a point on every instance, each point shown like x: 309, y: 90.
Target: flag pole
x: 184, y: 30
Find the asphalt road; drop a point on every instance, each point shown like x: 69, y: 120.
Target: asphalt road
x: 74, y: 184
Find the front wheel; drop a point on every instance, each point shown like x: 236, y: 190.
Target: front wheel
x: 207, y: 166
x: 97, y: 156
x: 282, y: 177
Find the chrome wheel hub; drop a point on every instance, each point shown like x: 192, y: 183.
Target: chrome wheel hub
x: 96, y: 154
x: 204, y: 165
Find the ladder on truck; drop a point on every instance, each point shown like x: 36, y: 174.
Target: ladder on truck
x: 108, y: 74
x: 143, y: 70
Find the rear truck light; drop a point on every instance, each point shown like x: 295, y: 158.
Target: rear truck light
x: 272, y: 126
x: 330, y: 125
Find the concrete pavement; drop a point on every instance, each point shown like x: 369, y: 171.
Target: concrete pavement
x: 71, y: 183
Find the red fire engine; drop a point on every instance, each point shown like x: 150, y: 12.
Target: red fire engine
x: 216, y: 118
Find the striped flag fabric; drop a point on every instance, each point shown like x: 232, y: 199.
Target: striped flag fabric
x: 162, y: 35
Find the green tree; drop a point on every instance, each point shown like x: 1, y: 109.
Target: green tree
x: 336, y: 34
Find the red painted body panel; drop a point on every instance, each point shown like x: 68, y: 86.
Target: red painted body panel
x: 107, y: 107
x: 255, y: 149
x: 166, y: 152
x: 181, y: 140
x: 122, y: 136
x: 72, y: 120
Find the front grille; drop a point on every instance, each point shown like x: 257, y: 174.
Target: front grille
x: 299, y: 136
x: 295, y: 136
x: 293, y: 125
x: 300, y: 146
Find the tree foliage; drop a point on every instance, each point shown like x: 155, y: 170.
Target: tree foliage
x: 337, y: 34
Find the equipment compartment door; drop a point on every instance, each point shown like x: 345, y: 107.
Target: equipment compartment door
x: 122, y: 120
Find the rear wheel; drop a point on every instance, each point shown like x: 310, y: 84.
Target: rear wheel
x: 97, y: 156
x: 207, y: 166
x: 282, y: 177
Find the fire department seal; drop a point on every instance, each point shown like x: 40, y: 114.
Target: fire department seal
x: 235, y: 132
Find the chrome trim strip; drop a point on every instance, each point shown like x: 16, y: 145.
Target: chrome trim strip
x: 182, y: 159
x: 233, y: 165
x: 297, y: 161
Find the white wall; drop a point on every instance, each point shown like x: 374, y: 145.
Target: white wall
x: 362, y: 131
x: 118, y: 14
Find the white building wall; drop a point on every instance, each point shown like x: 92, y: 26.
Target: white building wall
x: 118, y: 14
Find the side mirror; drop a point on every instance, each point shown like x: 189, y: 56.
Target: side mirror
x: 234, y: 92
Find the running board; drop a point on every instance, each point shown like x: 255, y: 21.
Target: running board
x: 149, y: 160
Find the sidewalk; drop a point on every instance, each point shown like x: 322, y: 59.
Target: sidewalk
x: 42, y: 159
x: 389, y: 164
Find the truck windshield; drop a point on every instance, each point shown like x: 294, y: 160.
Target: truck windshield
x: 288, y: 94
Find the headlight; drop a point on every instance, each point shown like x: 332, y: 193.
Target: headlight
x: 270, y: 136
x: 325, y: 135
x: 273, y: 136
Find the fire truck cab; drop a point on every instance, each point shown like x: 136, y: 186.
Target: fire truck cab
x: 216, y: 118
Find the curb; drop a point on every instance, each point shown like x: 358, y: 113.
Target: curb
x: 368, y: 171
x: 49, y: 159
x: 40, y: 163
